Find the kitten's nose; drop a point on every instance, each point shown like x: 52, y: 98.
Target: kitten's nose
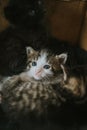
x: 39, y: 71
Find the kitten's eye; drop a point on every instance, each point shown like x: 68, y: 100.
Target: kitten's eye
x: 34, y: 63
x: 46, y: 67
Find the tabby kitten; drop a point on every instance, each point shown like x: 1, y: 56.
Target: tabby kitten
x: 32, y: 90
x: 54, y: 70
x: 43, y: 83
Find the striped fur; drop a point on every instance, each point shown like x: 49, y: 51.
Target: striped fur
x: 23, y: 93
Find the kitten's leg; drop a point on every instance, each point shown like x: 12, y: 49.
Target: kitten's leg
x: 72, y: 84
x: 75, y: 86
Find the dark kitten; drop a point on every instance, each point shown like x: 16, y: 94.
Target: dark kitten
x: 25, y: 13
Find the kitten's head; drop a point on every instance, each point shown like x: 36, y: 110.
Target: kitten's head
x: 25, y: 13
x: 42, y: 64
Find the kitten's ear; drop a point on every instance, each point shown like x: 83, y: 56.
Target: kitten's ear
x: 29, y: 50
x: 62, y: 58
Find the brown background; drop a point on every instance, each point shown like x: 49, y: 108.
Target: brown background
x: 66, y: 20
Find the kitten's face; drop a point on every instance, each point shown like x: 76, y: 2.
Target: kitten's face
x: 42, y: 65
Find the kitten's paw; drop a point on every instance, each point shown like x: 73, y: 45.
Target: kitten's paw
x: 75, y: 86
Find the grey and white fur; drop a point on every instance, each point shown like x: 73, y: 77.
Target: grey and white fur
x: 32, y: 90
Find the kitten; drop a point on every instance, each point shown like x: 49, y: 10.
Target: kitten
x: 41, y: 85
x: 25, y: 13
x: 33, y: 89
x: 72, y: 80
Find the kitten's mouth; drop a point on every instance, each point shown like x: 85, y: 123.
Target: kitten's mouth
x: 41, y: 77
x: 37, y: 77
x: 37, y: 74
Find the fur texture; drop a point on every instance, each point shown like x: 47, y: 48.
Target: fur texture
x: 24, y: 96
x: 28, y: 92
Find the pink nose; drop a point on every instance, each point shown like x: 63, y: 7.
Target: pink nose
x: 38, y: 72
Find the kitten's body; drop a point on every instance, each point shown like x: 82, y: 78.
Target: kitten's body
x: 32, y: 90
x: 21, y: 98
x: 29, y: 92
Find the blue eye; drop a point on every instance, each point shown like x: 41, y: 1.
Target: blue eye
x: 34, y: 63
x: 46, y: 67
